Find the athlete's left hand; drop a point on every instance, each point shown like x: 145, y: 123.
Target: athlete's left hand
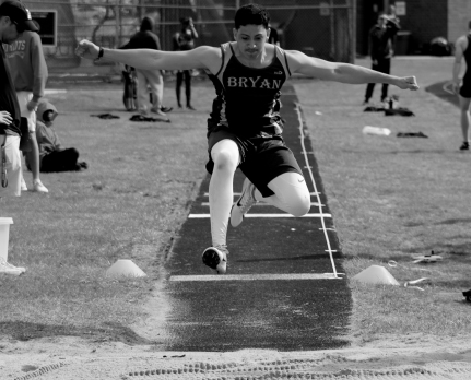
x: 87, y: 49
x: 408, y: 82
x: 32, y: 105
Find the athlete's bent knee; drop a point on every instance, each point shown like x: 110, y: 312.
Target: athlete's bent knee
x: 299, y: 206
x: 291, y: 190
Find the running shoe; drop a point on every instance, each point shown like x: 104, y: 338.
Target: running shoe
x: 244, y: 203
x: 465, y: 146
x: 158, y: 111
x: 215, y: 258
x: 38, y: 186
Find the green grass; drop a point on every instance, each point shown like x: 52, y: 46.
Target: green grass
x: 390, y: 199
x: 393, y: 199
x: 129, y: 204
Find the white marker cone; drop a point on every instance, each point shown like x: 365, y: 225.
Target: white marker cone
x: 125, y: 267
x: 376, y: 274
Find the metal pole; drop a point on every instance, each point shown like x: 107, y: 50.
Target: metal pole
x: 332, y: 51
x: 118, y: 24
x: 237, y: 4
x: 353, y: 31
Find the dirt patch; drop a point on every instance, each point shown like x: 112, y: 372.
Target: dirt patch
x: 412, y: 357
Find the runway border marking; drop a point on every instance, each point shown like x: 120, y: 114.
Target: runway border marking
x: 206, y: 194
x: 265, y: 215
x: 253, y: 277
x: 264, y: 204
x: 301, y: 124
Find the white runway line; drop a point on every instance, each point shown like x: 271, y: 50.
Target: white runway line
x: 252, y: 277
x: 299, y: 110
x: 265, y: 215
x: 206, y: 194
x: 264, y: 204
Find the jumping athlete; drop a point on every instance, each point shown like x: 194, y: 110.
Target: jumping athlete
x: 245, y: 129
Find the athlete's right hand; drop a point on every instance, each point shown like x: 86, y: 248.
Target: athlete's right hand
x: 5, y: 118
x: 87, y: 49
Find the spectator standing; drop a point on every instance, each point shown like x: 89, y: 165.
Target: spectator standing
x: 185, y: 40
x: 463, y: 89
x: 381, y: 51
x: 14, y: 19
x: 146, y: 39
x: 29, y: 72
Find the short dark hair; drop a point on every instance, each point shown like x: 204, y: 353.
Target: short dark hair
x: 147, y: 24
x: 251, y: 14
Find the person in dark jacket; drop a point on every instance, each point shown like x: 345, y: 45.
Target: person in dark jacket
x: 53, y: 157
x: 146, y: 39
x: 185, y: 40
x: 381, y: 51
x: 14, y: 20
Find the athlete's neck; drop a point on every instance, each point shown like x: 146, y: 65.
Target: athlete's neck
x: 261, y: 60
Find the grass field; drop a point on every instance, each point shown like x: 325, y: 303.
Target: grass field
x: 390, y: 199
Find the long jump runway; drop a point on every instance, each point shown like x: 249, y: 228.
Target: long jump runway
x: 285, y: 288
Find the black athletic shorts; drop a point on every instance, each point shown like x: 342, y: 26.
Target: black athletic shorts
x: 465, y: 88
x: 262, y: 159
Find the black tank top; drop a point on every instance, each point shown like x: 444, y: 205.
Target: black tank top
x: 467, y: 61
x: 248, y: 99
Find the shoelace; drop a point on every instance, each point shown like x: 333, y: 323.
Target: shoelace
x: 222, y: 248
x: 248, y: 200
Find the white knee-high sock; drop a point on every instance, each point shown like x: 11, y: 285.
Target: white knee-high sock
x: 221, y: 200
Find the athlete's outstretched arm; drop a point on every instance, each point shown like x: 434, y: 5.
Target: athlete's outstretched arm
x: 148, y: 59
x: 344, y: 72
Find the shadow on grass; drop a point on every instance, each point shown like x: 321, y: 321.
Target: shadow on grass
x: 450, y: 221
x: 456, y: 253
x: 25, y: 331
x: 456, y: 283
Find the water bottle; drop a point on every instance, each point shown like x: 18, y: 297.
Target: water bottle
x: 376, y: 130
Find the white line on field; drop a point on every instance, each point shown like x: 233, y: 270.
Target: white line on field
x: 301, y: 123
x: 252, y: 277
x: 206, y: 194
x: 264, y: 215
x: 264, y: 204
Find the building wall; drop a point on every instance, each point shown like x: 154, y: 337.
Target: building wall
x: 458, y: 16
x: 425, y: 19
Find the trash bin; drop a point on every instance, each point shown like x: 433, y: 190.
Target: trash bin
x: 402, y: 46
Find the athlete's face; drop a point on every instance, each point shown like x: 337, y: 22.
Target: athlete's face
x: 251, y: 40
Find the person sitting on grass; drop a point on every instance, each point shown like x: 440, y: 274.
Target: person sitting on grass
x: 52, y: 157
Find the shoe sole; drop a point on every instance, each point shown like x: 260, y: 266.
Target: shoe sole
x: 212, y: 259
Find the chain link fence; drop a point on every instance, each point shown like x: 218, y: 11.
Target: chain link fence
x: 324, y: 29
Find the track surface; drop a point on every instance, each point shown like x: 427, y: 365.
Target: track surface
x: 233, y: 314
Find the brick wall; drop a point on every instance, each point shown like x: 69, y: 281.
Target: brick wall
x: 425, y: 19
